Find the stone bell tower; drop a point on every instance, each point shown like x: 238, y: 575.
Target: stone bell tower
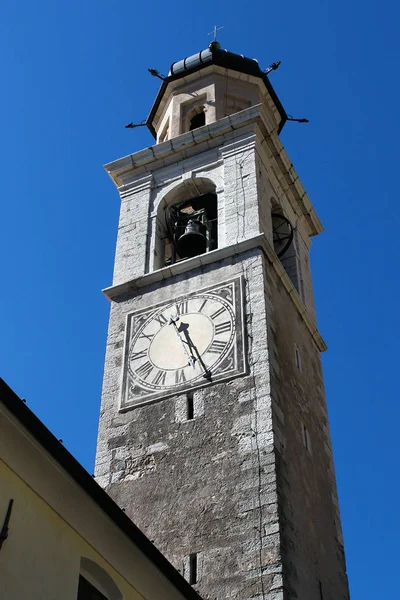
x: 214, y: 433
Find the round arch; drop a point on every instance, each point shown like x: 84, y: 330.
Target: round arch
x: 188, y: 188
x: 98, y: 577
x: 185, y: 190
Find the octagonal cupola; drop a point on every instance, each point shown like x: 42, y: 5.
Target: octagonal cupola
x: 209, y: 86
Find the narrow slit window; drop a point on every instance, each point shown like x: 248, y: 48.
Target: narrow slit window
x: 321, y: 594
x: 193, y: 569
x: 190, y: 406
x: 306, y: 438
x: 297, y: 357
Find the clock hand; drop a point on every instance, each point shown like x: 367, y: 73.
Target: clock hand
x: 191, y: 358
x: 184, y: 327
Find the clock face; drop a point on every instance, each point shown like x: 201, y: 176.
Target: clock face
x: 188, y: 342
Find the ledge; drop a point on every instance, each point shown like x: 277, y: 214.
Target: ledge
x: 184, y: 266
x: 181, y: 143
x: 150, y: 159
x: 259, y: 241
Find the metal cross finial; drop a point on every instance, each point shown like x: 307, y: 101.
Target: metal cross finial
x: 214, y: 32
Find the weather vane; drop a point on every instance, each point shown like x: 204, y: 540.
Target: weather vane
x: 214, y: 32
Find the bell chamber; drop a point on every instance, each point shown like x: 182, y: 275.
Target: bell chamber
x: 191, y: 227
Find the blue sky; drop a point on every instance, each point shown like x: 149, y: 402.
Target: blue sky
x: 73, y: 75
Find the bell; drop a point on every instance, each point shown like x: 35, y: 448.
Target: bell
x: 193, y: 241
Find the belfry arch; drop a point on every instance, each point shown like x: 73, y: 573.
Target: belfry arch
x: 188, y: 212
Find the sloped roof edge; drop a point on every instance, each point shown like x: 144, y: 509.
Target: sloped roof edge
x: 51, y: 444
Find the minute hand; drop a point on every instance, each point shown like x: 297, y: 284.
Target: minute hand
x: 191, y: 359
x: 207, y: 372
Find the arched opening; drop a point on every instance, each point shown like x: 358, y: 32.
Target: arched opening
x: 187, y: 222
x: 95, y: 583
x: 284, y: 240
x: 193, y: 114
x: 197, y: 121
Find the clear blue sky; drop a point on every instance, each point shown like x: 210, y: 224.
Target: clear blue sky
x: 74, y: 73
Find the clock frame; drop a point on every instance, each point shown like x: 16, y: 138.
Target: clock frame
x: 185, y: 343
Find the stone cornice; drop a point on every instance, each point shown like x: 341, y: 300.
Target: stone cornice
x: 178, y: 146
x: 259, y: 241
x: 289, y: 181
x: 182, y: 147
x: 138, y: 185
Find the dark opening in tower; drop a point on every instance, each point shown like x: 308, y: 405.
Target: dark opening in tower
x: 284, y: 245
x: 191, y: 228
x: 197, y: 121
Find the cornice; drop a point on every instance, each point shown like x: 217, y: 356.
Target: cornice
x: 181, y: 148
x: 115, y: 292
x: 178, y: 146
x: 288, y: 179
x: 137, y: 185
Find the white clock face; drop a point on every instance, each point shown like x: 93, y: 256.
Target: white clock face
x: 182, y: 344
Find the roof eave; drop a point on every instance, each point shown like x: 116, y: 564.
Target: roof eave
x: 54, y: 447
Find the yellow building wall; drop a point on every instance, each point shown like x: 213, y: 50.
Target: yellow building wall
x: 40, y: 560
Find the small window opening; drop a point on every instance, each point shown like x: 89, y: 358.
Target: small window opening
x: 193, y: 569
x: 190, y: 406
x: 297, y: 357
x: 197, y: 121
x: 87, y: 591
x: 306, y: 437
x: 191, y: 228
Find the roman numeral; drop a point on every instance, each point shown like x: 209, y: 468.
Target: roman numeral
x: 216, y: 347
x: 203, y: 304
x: 182, y: 307
x: 161, y: 320
x: 180, y: 376
x: 144, y: 370
x: 136, y: 355
x: 218, y: 313
x: 159, y: 378
x: 221, y: 327
x: 147, y: 336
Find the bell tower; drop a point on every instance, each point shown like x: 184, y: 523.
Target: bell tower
x: 214, y: 435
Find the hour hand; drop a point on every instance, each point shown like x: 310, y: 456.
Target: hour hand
x: 172, y: 321
x: 184, y: 328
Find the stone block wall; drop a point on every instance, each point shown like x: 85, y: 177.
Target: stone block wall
x: 206, y: 485
x: 230, y: 167
x: 248, y: 484
x: 312, y: 546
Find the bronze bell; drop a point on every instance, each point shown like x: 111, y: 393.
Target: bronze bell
x: 193, y: 241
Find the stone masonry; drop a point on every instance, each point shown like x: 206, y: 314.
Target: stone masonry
x: 248, y: 484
